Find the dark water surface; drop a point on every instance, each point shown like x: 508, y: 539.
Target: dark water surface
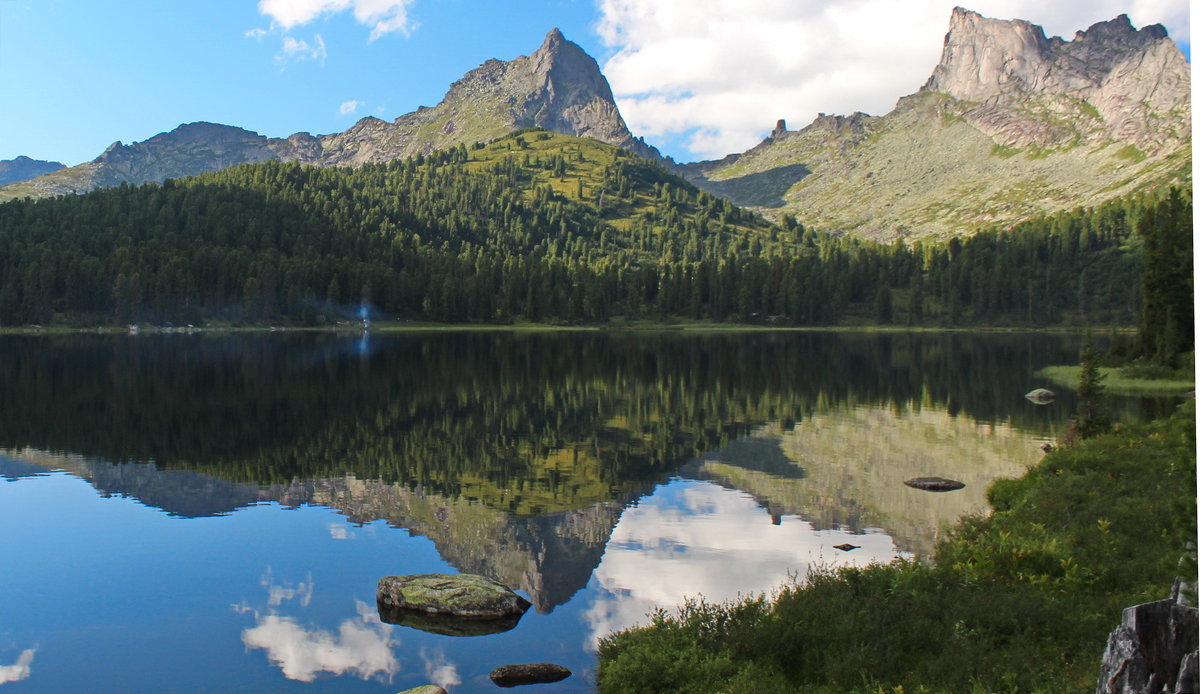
x: 211, y: 514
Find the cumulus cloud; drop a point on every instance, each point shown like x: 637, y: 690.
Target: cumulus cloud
x: 361, y: 646
x: 341, y: 532
x: 382, y: 16
x: 722, y: 71
x: 19, y: 670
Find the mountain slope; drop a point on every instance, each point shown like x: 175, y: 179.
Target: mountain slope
x: 23, y: 168
x: 558, y: 87
x: 1011, y: 124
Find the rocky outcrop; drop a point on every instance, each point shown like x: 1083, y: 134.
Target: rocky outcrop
x: 1111, y: 81
x: 1153, y: 651
x: 23, y: 168
x: 1011, y: 124
x: 558, y: 87
x: 458, y: 595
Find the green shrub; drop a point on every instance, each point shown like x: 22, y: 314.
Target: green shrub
x: 1021, y: 601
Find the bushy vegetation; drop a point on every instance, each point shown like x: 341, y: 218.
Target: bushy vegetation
x: 536, y: 226
x: 1019, y: 601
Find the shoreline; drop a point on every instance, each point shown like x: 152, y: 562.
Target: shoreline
x: 390, y: 327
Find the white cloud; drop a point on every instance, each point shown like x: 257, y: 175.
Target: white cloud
x: 438, y: 670
x: 278, y: 593
x: 361, y: 646
x: 256, y: 33
x: 697, y: 539
x: 724, y: 70
x: 340, y: 532
x: 382, y: 16
x: 297, y: 49
x: 19, y: 670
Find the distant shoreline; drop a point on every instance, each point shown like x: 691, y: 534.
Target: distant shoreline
x: 390, y: 327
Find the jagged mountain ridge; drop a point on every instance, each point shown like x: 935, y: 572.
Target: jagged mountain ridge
x: 23, y: 168
x: 558, y: 87
x: 1009, y: 125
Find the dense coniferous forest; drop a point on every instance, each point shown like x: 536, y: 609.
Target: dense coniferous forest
x: 545, y: 227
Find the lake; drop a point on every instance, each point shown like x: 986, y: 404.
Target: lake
x: 205, y: 513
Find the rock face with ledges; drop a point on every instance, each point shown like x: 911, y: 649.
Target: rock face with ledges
x: 1110, y: 81
x: 1011, y: 124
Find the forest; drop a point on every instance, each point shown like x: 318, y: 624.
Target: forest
x: 544, y: 227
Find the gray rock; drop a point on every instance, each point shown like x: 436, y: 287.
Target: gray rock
x: 528, y: 673
x: 445, y: 624
x: 461, y: 595
x: 934, y: 484
x: 1040, y: 396
x: 425, y: 689
x: 1154, y: 650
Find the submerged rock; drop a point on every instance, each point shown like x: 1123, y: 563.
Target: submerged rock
x: 445, y: 624
x: 528, y: 673
x: 934, y: 484
x: 425, y: 689
x: 1153, y: 650
x: 461, y: 595
x: 1040, y: 396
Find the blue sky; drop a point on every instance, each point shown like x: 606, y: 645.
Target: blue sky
x: 698, y: 78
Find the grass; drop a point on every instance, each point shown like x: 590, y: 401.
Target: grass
x: 1118, y: 381
x: 1131, y: 153
x: 1019, y: 601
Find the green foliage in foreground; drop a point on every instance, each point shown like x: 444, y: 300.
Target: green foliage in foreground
x: 1021, y: 601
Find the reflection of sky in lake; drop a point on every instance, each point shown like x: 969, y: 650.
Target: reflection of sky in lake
x: 166, y: 578
x: 697, y: 539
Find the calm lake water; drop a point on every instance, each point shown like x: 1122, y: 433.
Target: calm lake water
x: 211, y: 514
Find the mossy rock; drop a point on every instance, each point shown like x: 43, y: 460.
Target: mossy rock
x: 445, y: 624
x: 462, y: 595
x: 425, y: 689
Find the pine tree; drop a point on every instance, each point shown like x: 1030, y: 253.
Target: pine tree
x: 1091, y: 416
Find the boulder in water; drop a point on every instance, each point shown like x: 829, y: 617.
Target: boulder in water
x: 460, y: 595
x: 528, y: 673
x: 934, y: 484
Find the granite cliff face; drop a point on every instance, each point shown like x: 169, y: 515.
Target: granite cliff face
x: 1009, y: 125
x: 558, y: 87
x: 23, y: 168
x: 1111, y: 81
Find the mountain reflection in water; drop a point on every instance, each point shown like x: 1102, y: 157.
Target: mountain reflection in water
x: 600, y: 475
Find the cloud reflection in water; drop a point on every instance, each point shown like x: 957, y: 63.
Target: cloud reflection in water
x: 19, y: 670
x: 361, y: 646
x: 698, y: 539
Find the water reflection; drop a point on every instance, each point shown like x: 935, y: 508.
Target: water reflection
x: 698, y: 539
x: 438, y: 669
x: 845, y: 468
x: 361, y: 646
x: 19, y: 670
x: 600, y: 475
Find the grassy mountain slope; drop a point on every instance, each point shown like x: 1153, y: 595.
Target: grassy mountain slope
x: 1011, y: 125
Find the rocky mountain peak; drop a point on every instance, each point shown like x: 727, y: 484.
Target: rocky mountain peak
x: 1110, y: 82
x: 23, y: 168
